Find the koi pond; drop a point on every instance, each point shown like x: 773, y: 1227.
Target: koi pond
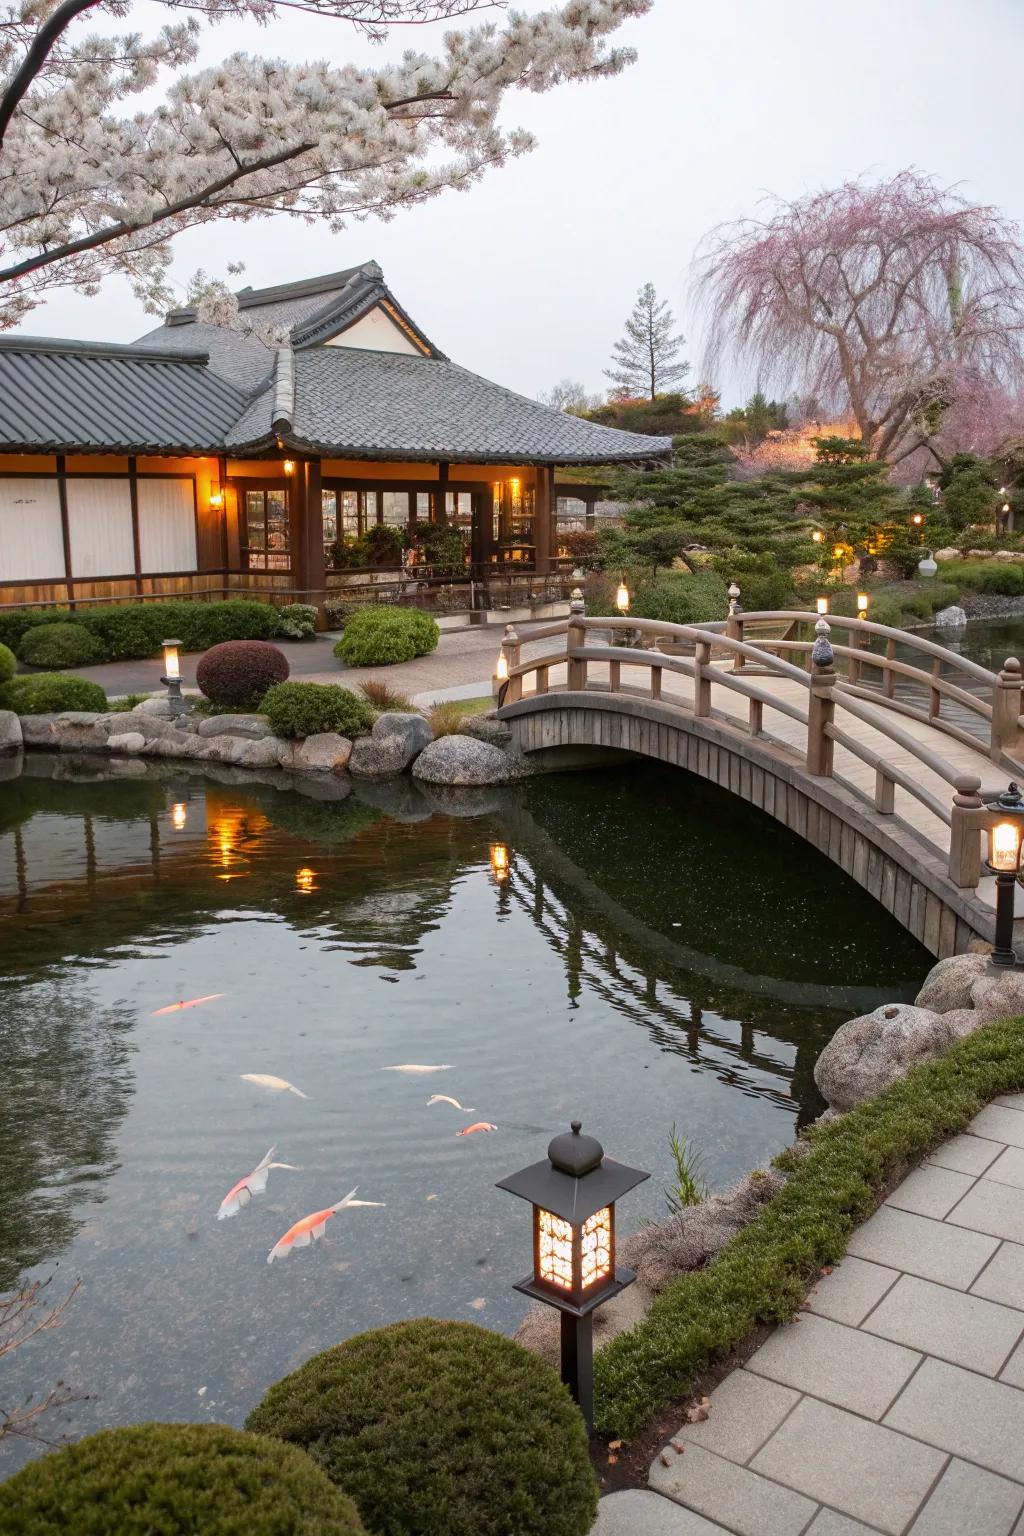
x: 629, y: 946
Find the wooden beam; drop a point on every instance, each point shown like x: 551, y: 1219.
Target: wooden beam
x: 543, y: 518
x: 133, y: 496
x: 65, y: 528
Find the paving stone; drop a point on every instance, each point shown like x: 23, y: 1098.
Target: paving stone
x: 1003, y: 1278
x: 638, y: 1512
x: 930, y: 1191
x: 937, y: 1321
x: 966, y: 1154
x: 923, y: 1247
x: 840, y: 1364
x: 1011, y: 1101
x: 1013, y: 1373
x: 749, y: 1505
x: 982, y: 1421
x: 827, y: 1523
x: 854, y: 1466
x: 745, y: 1410
x: 995, y: 1208
x: 848, y: 1294
x: 1000, y: 1123
x: 969, y: 1502
x: 1008, y: 1168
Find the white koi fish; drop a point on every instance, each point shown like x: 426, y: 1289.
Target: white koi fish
x: 253, y: 1184
x: 411, y: 1066
x: 443, y: 1098
x: 310, y: 1228
x: 267, y: 1080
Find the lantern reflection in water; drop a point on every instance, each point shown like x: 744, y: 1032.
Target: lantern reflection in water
x: 499, y: 862
x: 179, y: 816
x: 305, y: 880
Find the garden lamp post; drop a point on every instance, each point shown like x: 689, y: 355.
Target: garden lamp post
x: 822, y: 605
x: 573, y: 1193
x: 622, y: 596
x: 1005, y: 838
x: 862, y: 605
x: 172, y: 677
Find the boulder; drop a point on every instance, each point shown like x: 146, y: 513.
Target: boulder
x: 953, y: 617
x: 127, y: 742
x: 142, y: 720
x: 462, y: 760
x: 948, y: 984
x: 11, y: 739
x: 326, y: 752
x: 963, y: 1021
x: 949, y: 553
x: 484, y: 728
x: 261, y: 753
x: 870, y: 1052
x: 396, y: 739
x: 39, y: 730
x: 408, y: 727
x: 81, y: 729
x: 249, y: 727
x: 998, y: 993
x: 158, y: 705
x: 126, y: 768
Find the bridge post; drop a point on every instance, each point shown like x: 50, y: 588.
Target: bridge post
x: 702, y: 679
x: 510, y: 646
x: 820, y: 705
x: 1006, y: 702
x: 860, y: 641
x: 734, y: 624
x: 576, y: 639
x: 966, y: 824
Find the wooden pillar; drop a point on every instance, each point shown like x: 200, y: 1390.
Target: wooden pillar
x: 543, y: 518
x: 65, y: 528
x: 441, y: 497
x: 313, y: 525
x: 965, y: 832
x: 133, y: 497
x: 1006, y: 703
x: 820, y: 712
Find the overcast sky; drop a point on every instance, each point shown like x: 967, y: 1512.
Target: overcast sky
x: 528, y: 277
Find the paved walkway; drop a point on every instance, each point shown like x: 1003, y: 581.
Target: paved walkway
x: 895, y: 1402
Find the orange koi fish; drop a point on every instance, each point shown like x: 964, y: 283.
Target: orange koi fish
x: 253, y: 1184
x: 444, y: 1098
x: 312, y: 1227
x: 193, y: 1002
x: 479, y: 1125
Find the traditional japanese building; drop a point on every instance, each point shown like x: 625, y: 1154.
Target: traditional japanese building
x: 202, y: 460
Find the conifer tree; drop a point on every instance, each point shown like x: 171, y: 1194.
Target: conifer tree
x: 644, y: 359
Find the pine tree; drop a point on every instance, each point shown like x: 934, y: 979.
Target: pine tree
x: 643, y: 360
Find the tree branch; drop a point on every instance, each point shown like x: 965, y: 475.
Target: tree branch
x: 40, y: 49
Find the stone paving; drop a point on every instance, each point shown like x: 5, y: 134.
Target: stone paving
x: 895, y: 1402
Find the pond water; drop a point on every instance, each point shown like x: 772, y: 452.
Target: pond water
x: 658, y: 954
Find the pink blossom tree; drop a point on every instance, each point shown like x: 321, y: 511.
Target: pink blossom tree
x: 891, y: 302
x: 88, y: 187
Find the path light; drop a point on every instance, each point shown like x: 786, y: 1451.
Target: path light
x: 817, y: 536
x: 917, y: 519
x: 822, y: 605
x: 573, y: 1194
x: 499, y: 862
x: 179, y: 816
x: 1004, y: 849
x: 499, y: 682
x: 172, y: 677
x: 576, y: 601
x: 622, y: 596
x: 862, y: 603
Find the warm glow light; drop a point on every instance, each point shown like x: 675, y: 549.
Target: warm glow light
x: 917, y: 519
x: 499, y: 862
x: 1004, y: 846
x: 554, y: 1249
x: 822, y: 605
x: 838, y: 551
x: 216, y: 498
x: 179, y: 816
x: 501, y: 669
x: 289, y: 466
x: 817, y: 536
x: 513, y: 486
x: 622, y: 598
x: 1006, y: 506
x: 862, y: 602
x: 596, y: 1247
x: 172, y: 669
x: 305, y: 880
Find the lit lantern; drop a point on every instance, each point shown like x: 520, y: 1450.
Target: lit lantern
x: 622, y: 596
x: 838, y: 551
x: 289, y: 466
x: 822, y: 605
x: 216, y: 497
x: 1005, y: 835
x: 499, y: 682
x: 172, y: 676
x: 917, y: 519
x: 817, y: 536
x: 179, y: 816
x: 305, y: 880
x: 862, y: 603
x: 573, y: 1193
x: 499, y: 862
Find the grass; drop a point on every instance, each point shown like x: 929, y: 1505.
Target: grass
x: 465, y: 707
x: 761, y: 1276
x: 129, y: 702
x: 383, y: 697
x: 689, y: 1186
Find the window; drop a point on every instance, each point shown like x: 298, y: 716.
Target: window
x: 266, y: 530
x: 395, y: 505
x: 329, y: 504
x: 100, y: 521
x: 31, y: 541
x: 423, y: 506
x: 459, y: 509
x: 167, y: 525
x: 350, y: 512
x: 570, y: 514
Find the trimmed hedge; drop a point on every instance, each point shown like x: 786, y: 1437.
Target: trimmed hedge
x: 45, y: 693
x: 381, y: 635
x: 297, y: 621
x: 440, y: 1429
x: 175, y: 1480
x: 240, y: 671
x: 59, y: 645
x: 132, y: 631
x: 763, y: 1273
x: 306, y: 709
x: 8, y: 664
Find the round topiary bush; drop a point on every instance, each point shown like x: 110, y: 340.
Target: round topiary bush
x: 440, y: 1429
x: 380, y: 636
x: 306, y: 709
x: 59, y: 645
x: 45, y: 693
x: 239, y: 672
x: 199, y: 1479
x: 8, y: 664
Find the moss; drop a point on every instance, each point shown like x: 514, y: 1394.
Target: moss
x: 763, y: 1273
x: 175, y: 1480
x: 440, y: 1429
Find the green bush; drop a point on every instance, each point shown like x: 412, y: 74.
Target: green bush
x: 683, y: 599
x: 998, y: 577
x: 440, y: 1429
x: 133, y: 631
x: 240, y: 671
x: 175, y: 1480
x: 8, y: 664
x: 306, y: 709
x: 59, y: 645
x: 15, y: 622
x: 45, y: 693
x: 297, y: 621
x: 381, y: 635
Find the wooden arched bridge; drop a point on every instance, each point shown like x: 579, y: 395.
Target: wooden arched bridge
x: 878, y: 747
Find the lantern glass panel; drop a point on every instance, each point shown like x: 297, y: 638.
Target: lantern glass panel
x: 171, y: 666
x: 596, y: 1247
x: 554, y: 1250
x: 1005, y: 846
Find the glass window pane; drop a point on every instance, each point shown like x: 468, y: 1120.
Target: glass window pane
x: 255, y: 520
x: 423, y: 506
x: 396, y: 508
x: 277, y: 521
x: 371, y: 511
x: 329, y: 503
x: 350, y: 511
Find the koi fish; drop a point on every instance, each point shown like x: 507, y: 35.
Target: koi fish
x: 193, y: 1002
x: 479, y: 1125
x: 253, y: 1184
x: 443, y: 1098
x: 310, y: 1228
x: 267, y: 1080
x: 411, y: 1066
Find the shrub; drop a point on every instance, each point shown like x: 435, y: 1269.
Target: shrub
x: 45, y: 693
x: 339, y: 610
x: 382, y: 697
x: 59, y: 645
x: 306, y: 709
x: 237, y: 619
x: 297, y: 620
x: 8, y: 664
x: 175, y: 1478
x: 440, y: 1429
x: 683, y: 599
x: 998, y: 577
x: 583, y: 547
x: 382, y: 635
x: 16, y: 622
x: 240, y: 671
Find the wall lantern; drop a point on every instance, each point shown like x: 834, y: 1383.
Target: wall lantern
x: 179, y: 816
x: 622, y: 596
x: 817, y: 536
x: 862, y: 603
x: 822, y: 605
x: 289, y: 466
x: 573, y: 1193
x: 1005, y: 837
x: 499, y: 863
x: 172, y: 677
x: 216, y: 497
